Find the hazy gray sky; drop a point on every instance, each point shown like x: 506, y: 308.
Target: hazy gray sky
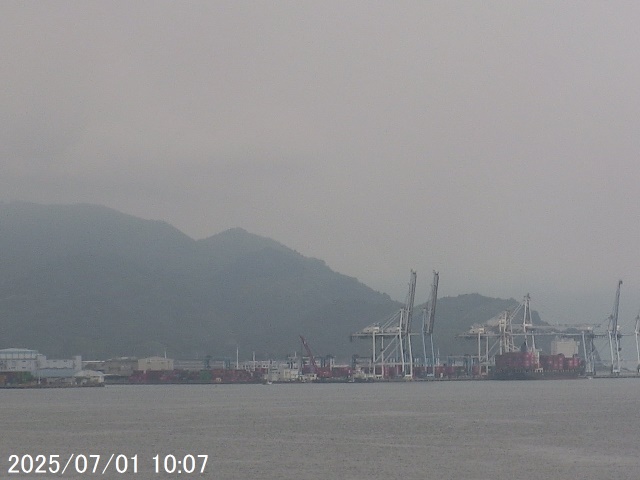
x: 497, y: 142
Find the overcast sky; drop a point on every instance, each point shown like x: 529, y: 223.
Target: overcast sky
x: 497, y: 142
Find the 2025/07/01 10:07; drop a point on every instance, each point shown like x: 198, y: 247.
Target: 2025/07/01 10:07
x: 93, y: 463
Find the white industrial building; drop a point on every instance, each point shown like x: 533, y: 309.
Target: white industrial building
x: 22, y: 360
x: 155, y: 364
x: 18, y: 360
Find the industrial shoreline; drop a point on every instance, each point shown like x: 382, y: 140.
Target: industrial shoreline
x: 506, y: 350
x: 296, y: 369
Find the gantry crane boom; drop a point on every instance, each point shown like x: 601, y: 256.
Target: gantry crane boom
x: 408, y: 307
x: 431, y: 310
x: 614, y: 334
x: 428, y: 320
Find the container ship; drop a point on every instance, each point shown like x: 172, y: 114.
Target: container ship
x: 193, y: 377
x: 536, y: 366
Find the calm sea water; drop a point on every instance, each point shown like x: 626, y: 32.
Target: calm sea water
x: 577, y: 429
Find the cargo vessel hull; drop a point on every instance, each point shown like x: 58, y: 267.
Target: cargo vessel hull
x: 535, y: 366
x: 532, y: 375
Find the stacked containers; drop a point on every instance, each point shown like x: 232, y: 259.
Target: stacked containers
x: 573, y: 363
x: 523, y: 360
x: 558, y: 363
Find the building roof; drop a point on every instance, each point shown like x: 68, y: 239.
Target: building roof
x: 18, y: 350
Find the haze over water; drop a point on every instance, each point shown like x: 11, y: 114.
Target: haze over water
x: 586, y: 429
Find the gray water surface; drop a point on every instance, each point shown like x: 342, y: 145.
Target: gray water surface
x: 574, y: 429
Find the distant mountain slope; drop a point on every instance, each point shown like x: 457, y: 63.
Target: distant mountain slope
x: 230, y: 245
x: 32, y: 236
x: 85, y: 279
x: 89, y: 280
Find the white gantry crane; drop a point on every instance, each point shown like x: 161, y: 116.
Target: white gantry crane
x: 614, y: 334
x: 589, y: 348
x: 391, y: 340
x: 504, y: 333
x: 509, y: 329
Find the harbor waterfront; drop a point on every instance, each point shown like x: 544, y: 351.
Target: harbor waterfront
x: 448, y: 430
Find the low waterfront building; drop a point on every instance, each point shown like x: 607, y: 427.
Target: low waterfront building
x: 88, y: 377
x: 114, y: 367
x: 189, y: 365
x: 155, y: 364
